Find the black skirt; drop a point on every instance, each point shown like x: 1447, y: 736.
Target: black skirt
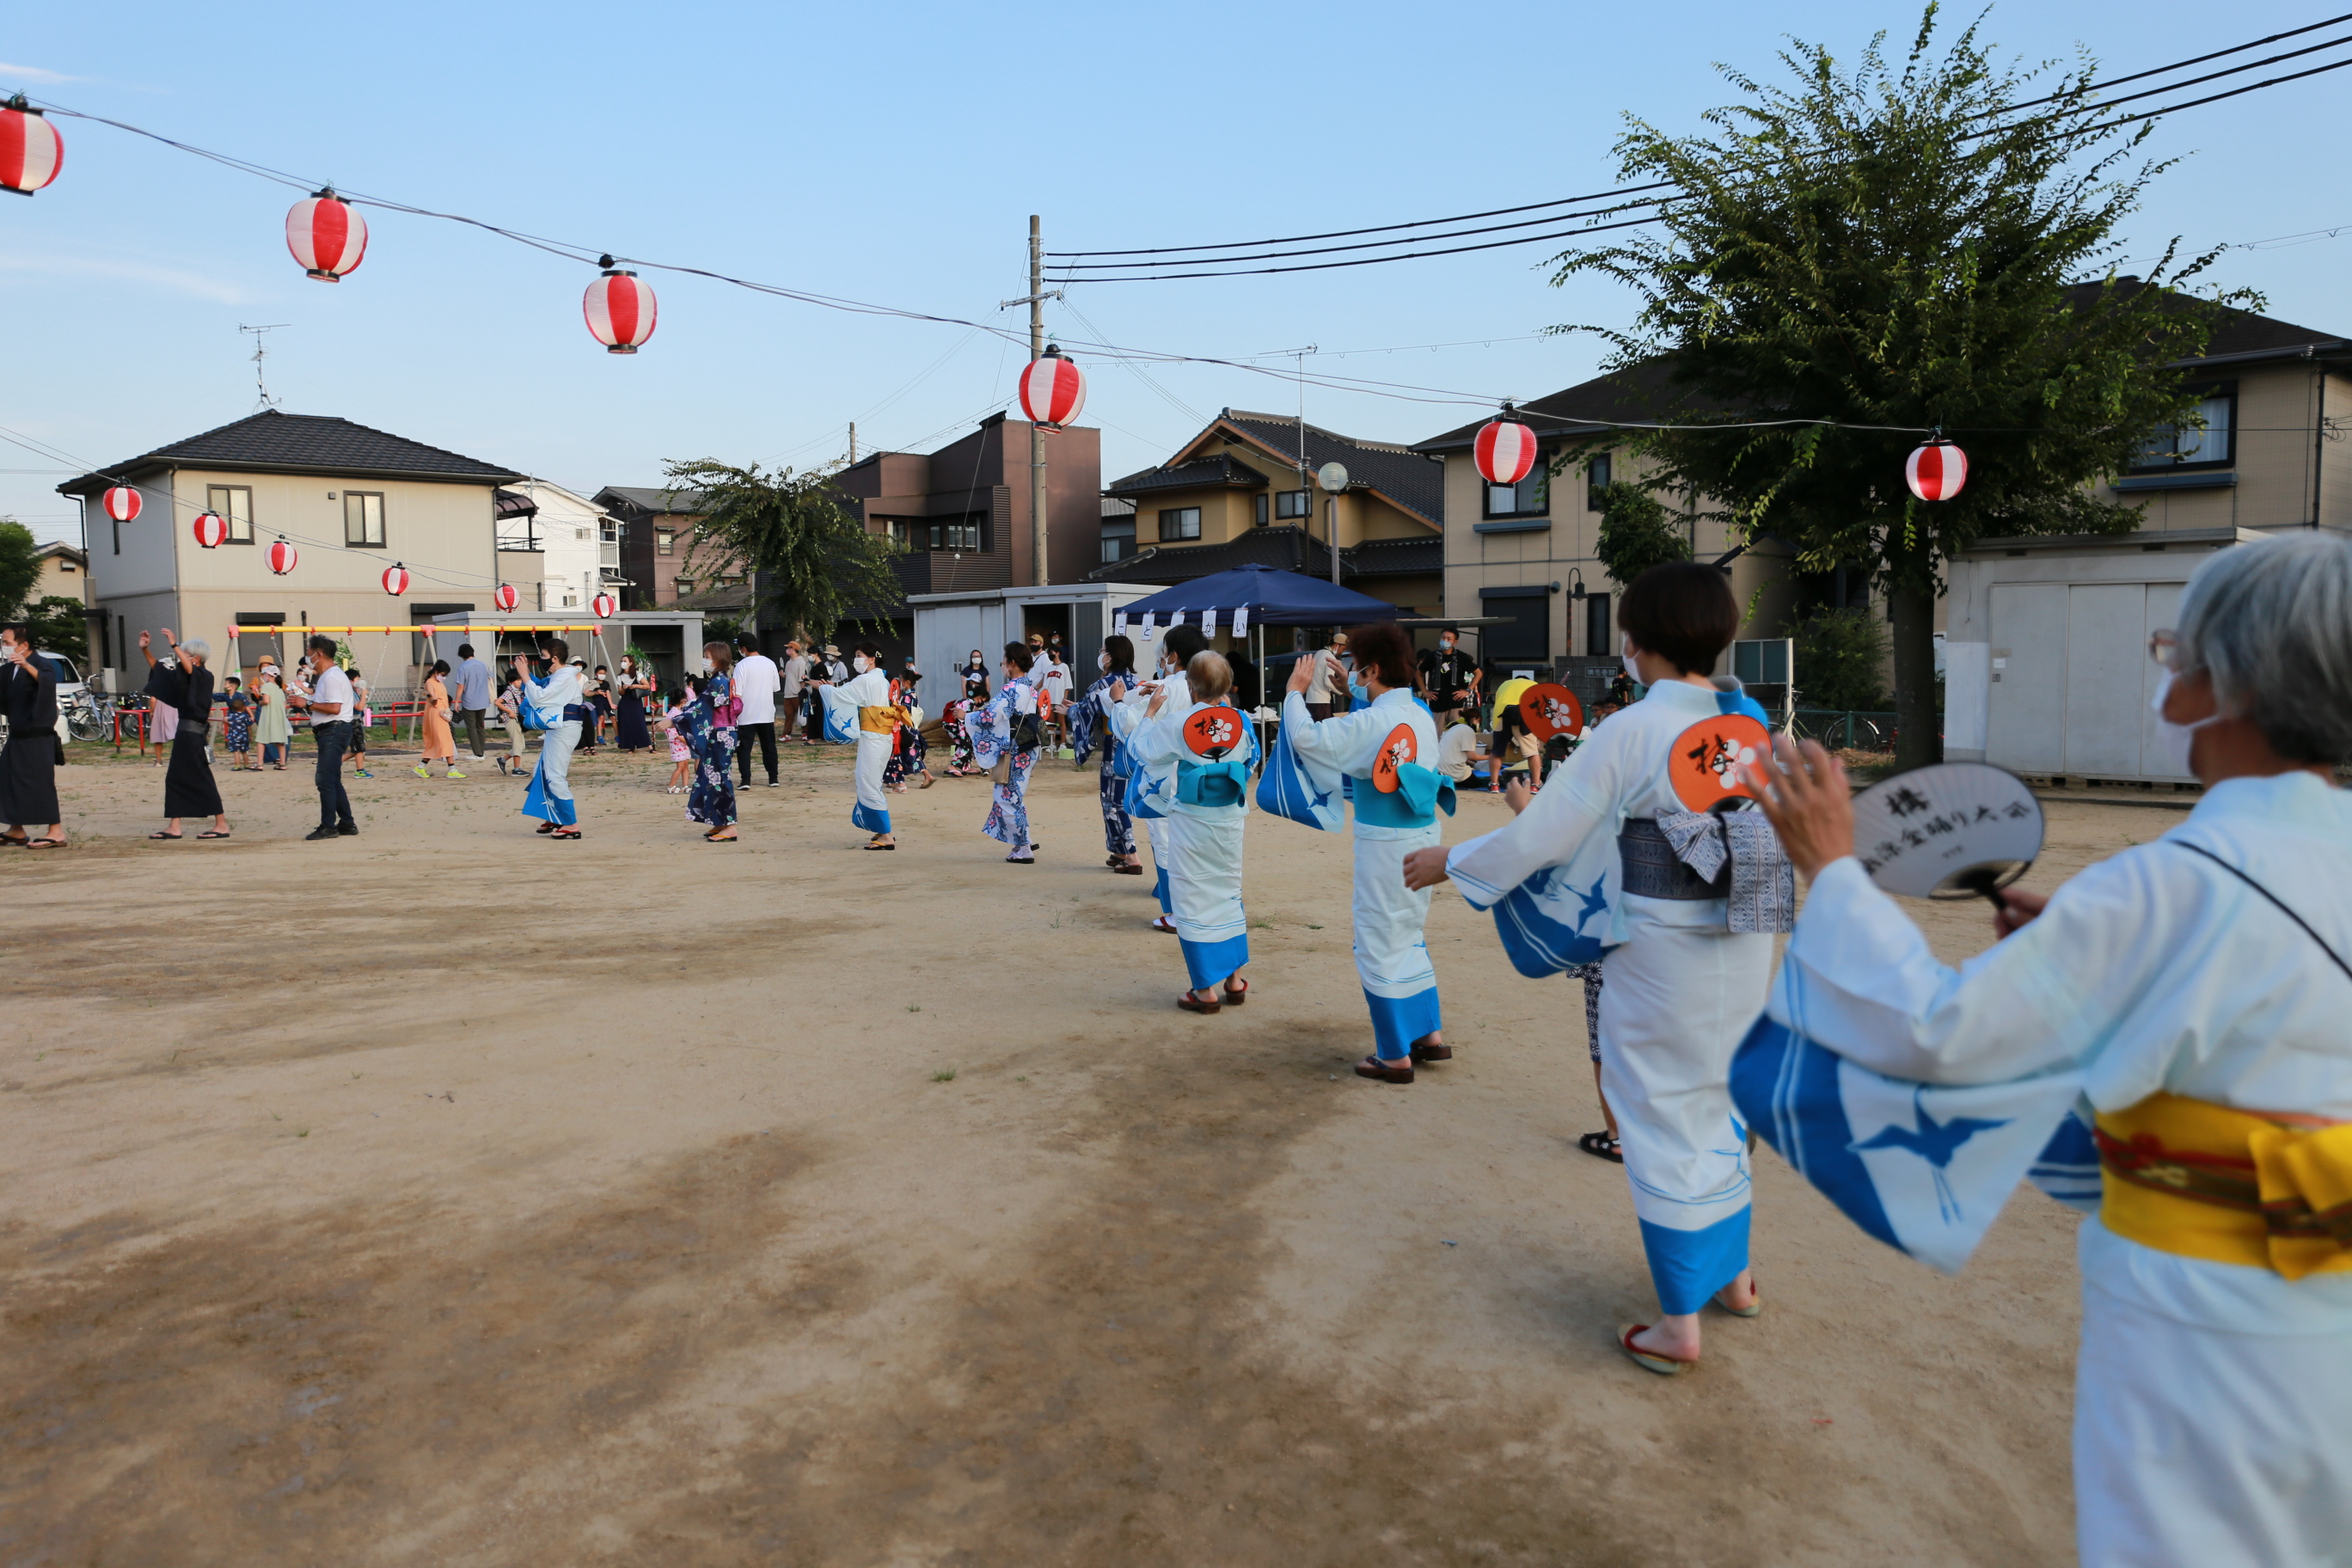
x: 28, y: 781
x: 188, y: 787
x: 631, y: 732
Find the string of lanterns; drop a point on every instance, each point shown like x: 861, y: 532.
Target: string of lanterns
x: 1504, y: 453
x: 281, y: 557
x: 122, y: 503
x: 326, y: 235
x: 507, y: 597
x: 1053, y: 389
x: 395, y: 579
x: 31, y: 151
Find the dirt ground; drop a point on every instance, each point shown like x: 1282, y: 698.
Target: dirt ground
x: 450, y: 1195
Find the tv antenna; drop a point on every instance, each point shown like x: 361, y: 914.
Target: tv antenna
x: 260, y: 350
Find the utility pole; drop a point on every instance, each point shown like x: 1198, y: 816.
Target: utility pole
x: 853, y: 443
x: 1035, y: 299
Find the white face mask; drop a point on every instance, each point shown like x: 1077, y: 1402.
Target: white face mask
x: 2174, y: 740
x: 1102, y: 662
x: 1625, y: 657
x: 708, y: 667
x: 862, y: 664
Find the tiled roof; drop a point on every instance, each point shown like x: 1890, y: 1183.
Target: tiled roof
x: 1219, y: 469
x: 1393, y: 558
x: 654, y: 502
x: 271, y: 442
x: 1399, y: 473
x: 1643, y: 392
x: 1112, y: 506
x: 1167, y: 565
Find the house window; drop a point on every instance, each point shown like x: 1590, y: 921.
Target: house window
x: 364, y: 518
x: 1119, y: 537
x: 235, y: 505
x: 957, y: 536
x: 1259, y: 520
x: 1531, y: 497
x: 1596, y: 482
x: 1600, y: 641
x: 65, y: 566
x: 1179, y: 523
x: 2207, y: 443
x: 684, y: 585
x: 1291, y: 504
x: 665, y: 542
x: 608, y: 546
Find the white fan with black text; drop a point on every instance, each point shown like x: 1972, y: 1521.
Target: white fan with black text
x: 1955, y: 831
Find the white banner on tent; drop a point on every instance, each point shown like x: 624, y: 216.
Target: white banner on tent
x: 1151, y: 619
x: 1118, y: 623
x: 1208, y: 622
x: 1241, y: 622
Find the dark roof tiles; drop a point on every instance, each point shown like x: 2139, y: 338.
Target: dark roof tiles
x: 272, y: 442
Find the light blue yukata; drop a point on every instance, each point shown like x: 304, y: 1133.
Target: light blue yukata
x: 844, y: 723
x: 1392, y: 956
x: 558, y: 712
x: 1680, y: 988
x: 1204, y: 820
x: 991, y: 729
x: 1150, y: 789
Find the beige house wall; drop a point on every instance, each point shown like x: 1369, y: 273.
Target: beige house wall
x: 1227, y: 513
x: 61, y: 577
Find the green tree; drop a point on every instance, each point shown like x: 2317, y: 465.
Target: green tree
x: 814, y: 564
x: 20, y: 564
x: 60, y: 626
x: 1894, y: 247
x: 1636, y: 533
x: 1841, y: 660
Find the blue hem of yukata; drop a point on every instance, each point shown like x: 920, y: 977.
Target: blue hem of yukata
x: 1209, y: 962
x: 537, y: 802
x: 1399, y: 1021
x: 869, y: 819
x: 1688, y: 1267
x: 1159, y: 891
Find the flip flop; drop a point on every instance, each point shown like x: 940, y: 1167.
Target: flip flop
x: 209, y: 834
x: 1603, y: 1145
x: 1233, y: 998
x: 45, y: 843
x: 1192, y: 1003
x: 174, y: 837
x: 881, y: 846
x: 1754, y: 1308
x: 1164, y: 925
x: 1650, y: 1360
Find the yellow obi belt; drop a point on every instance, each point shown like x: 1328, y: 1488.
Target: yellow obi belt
x: 882, y: 719
x: 2200, y: 1180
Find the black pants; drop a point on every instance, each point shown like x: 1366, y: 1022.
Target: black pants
x: 334, y: 806
x: 766, y: 735
x: 474, y: 729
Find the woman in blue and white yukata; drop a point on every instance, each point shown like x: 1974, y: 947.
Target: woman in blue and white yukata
x: 861, y: 708
x: 1392, y: 956
x: 1206, y: 820
x: 1091, y: 726
x: 1149, y: 788
x: 998, y: 732
x: 559, y: 706
x: 1682, y: 987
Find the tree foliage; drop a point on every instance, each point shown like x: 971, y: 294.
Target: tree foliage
x: 815, y: 565
x: 20, y: 565
x: 1891, y: 246
x: 1841, y: 660
x: 58, y: 625
x: 1636, y: 532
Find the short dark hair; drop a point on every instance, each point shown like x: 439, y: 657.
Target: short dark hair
x: 464, y: 650
x: 1121, y: 650
x: 320, y: 644
x: 1382, y: 647
x: 1682, y: 612
x: 748, y: 641
x: 440, y: 667
x: 1016, y: 654
x: 557, y: 650
x: 22, y: 628
x: 1184, y: 642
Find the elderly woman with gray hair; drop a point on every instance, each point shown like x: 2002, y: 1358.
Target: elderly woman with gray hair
x: 186, y: 687
x: 2199, y: 988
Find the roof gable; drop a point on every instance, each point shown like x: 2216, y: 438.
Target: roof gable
x: 272, y: 442
x: 1401, y: 476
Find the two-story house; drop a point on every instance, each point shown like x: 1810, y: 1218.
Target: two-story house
x: 1234, y: 495
x: 352, y: 500
x: 1524, y: 554
x: 656, y: 532
x: 558, y: 548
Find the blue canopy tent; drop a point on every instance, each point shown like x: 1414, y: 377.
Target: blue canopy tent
x: 1246, y: 600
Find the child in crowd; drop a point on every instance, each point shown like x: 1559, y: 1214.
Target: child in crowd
x: 681, y: 755
x: 240, y: 729
x: 960, y: 761
x: 363, y: 719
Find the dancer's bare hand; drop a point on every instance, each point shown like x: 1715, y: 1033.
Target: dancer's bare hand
x: 2017, y: 910
x: 1425, y: 868
x: 1302, y: 673
x: 1119, y: 691
x: 1804, y: 794
x: 1516, y: 794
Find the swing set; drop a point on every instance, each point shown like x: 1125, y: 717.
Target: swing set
x: 413, y: 710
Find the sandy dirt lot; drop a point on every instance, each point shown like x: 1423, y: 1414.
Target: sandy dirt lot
x: 449, y: 1195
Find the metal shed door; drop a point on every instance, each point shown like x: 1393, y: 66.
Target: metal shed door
x: 2027, y: 721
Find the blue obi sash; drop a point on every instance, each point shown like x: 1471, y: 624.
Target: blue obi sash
x: 1420, y: 794
x: 1211, y: 783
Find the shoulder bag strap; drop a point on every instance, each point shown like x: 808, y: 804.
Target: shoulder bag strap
x: 2275, y: 901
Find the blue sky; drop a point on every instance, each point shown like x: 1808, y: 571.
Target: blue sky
x: 893, y: 154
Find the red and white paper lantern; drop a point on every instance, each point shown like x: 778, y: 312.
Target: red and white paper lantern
x: 620, y: 310
x: 506, y: 597
x: 1505, y: 451
x: 211, y: 529
x: 1937, y: 471
x: 604, y: 604
x: 1053, y: 389
x: 30, y: 151
x: 281, y: 557
x: 122, y: 503
x: 395, y: 579
x: 326, y: 236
